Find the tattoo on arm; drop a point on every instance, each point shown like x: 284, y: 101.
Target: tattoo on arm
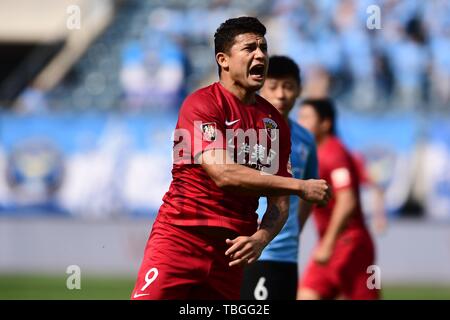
x: 271, y: 217
x: 302, y: 194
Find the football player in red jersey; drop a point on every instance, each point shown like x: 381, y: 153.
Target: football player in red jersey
x: 338, y: 268
x: 206, y: 229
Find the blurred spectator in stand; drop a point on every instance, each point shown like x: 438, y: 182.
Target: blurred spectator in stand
x: 133, y: 76
x: 318, y: 83
x: 409, y: 59
x: 32, y: 101
x: 357, y: 50
x: 437, y: 25
x: 440, y: 68
x: 154, y: 68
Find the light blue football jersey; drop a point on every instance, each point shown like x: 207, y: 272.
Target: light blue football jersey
x: 284, y: 247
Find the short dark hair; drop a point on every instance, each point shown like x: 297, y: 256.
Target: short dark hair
x: 227, y: 31
x: 325, y: 109
x: 282, y: 66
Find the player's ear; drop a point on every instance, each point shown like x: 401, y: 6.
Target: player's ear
x: 299, y: 90
x: 222, y: 60
x: 326, y: 125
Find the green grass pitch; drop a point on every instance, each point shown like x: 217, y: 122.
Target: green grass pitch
x: 119, y: 288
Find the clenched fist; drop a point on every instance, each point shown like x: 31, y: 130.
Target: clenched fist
x: 317, y: 191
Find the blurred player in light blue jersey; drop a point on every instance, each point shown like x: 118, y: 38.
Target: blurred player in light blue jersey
x: 274, y: 275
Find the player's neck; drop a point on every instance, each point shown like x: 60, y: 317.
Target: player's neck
x: 322, y: 139
x: 245, y: 96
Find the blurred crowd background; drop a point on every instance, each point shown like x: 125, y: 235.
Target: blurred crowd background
x: 86, y: 114
x: 154, y: 52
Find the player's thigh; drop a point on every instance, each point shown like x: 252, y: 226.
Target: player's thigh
x: 225, y: 287
x: 173, y: 263
x: 307, y: 294
x: 157, y: 281
x: 361, y: 290
x: 223, y: 282
x: 318, y: 282
x: 357, y: 282
x: 270, y: 280
x: 211, y: 290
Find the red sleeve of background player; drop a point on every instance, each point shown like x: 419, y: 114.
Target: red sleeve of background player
x: 360, y: 164
x: 340, y: 169
x: 204, y: 120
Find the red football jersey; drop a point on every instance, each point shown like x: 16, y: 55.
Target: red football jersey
x: 337, y: 167
x: 211, y: 117
x: 363, y: 173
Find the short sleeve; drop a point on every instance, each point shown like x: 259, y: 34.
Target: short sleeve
x: 340, y: 171
x: 203, y: 121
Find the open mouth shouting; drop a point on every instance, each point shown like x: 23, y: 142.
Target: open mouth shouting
x: 257, y: 72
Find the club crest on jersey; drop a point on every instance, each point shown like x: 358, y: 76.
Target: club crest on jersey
x: 209, y: 131
x: 269, y: 124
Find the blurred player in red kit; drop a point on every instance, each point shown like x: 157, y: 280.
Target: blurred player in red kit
x: 206, y: 229
x: 338, y: 268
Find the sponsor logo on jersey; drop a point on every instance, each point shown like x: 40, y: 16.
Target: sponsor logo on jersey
x: 209, y: 131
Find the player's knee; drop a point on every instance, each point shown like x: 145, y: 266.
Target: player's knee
x: 307, y: 294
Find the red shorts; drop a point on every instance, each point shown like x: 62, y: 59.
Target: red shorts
x: 346, y: 273
x: 183, y: 263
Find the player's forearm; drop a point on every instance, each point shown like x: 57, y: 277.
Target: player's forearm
x: 378, y: 200
x: 233, y: 177
x: 274, y: 218
x: 239, y: 178
x: 340, y: 216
